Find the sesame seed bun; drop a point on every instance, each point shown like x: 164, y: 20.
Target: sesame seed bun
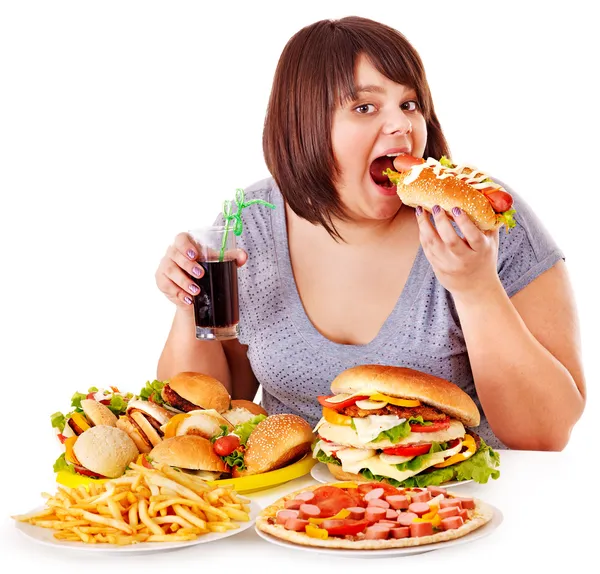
x: 428, y: 190
x: 275, y: 442
x: 106, y: 450
x: 97, y: 413
x: 201, y: 390
x: 409, y: 384
x: 190, y: 452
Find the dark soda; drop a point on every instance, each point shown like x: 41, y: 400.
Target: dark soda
x: 217, y: 303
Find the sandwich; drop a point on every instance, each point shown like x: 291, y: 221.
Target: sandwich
x: 204, y: 422
x: 187, y: 392
x: 242, y: 411
x: 191, y: 454
x: 99, y: 452
x: 402, y: 427
x: 143, y: 422
x: 430, y: 182
x: 263, y: 443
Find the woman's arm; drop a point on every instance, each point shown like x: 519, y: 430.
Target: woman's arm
x: 526, y: 360
x: 524, y: 353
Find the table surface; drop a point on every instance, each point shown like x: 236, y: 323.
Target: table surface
x: 550, y: 521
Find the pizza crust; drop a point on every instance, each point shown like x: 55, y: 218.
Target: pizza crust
x: 481, y: 515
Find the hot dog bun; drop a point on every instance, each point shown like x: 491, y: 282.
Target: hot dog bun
x: 433, y: 183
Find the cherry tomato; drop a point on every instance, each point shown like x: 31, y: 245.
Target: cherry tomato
x: 225, y: 445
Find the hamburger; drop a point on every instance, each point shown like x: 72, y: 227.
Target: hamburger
x: 192, y: 454
x: 205, y: 423
x: 403, y: 427
x: 187, y: 392
x: 87, y: 413
x: 143, y: 422
x: 263, y: 443
x: 99, y: 452
x: 242, y: 411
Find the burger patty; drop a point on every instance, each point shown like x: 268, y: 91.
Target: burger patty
x: 176, y: 401
x: 428, y: 413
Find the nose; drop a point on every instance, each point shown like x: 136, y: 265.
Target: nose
x: 397, y: 123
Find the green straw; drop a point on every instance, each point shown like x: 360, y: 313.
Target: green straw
x: 236, y: 217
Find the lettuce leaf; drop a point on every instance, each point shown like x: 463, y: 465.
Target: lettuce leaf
x: 322, y: 457
x: 58, y: 421
x: 224, y: 432
x: 395, y: 434
x: 61, y: 464
x: 419, y: 461
x: 393, y: 176
x: 118, y: 405
x: 152, y: 391
x: 76, y: 400
x: 236, y: 458
x: 508, y: 219
x: 245, y: 429
x: 446, y: 162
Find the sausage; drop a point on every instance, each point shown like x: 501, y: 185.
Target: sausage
x: 377, y: 532
x: 293, y: 504
x: 500, y: 201
x: 452, y: 522
x: 421, y: 529
x: 448, y: 511
x: 391, y: 514
x: 329, y: 524
x: 398, y: 501
x: 388, y: 523
x: 374, y: 494
x: 404, y: 162
x: 419, y: 508
x: 375, y: 513
x: 296, y: 524
x: 284, y: 515
x: 380, y: 503
x: 464, y: 514
x: 451, y: 502
x: 421, y: 496
x: 468, y: 503
x: 436, y: 490
x: 406, y: 518
x: 356, y: 512
x: 305, y: 496
x: 309, y: 511
x: 400, y: 532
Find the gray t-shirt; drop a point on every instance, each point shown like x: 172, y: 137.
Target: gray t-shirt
x: 294, y: 363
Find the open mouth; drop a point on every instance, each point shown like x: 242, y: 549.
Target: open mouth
x: 377, y: 168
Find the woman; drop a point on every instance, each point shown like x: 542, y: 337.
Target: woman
x: 342, y: 274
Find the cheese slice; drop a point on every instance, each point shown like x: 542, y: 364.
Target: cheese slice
x: 381, y: 468
x: 351, y: 455
x: 369, y: 428
x: 346, y: 435
x: 319, y: 424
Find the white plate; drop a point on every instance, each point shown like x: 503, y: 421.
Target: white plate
x: 46, y: 536
x: 321, y: 473
x: 485, y: 530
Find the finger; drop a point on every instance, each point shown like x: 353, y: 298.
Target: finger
x: 173, y: 292
x: 447, y: 233
x: 430, y: 239
x: 473, y: 235
x: 186, y: 246
x: 241, y: 257
x: 192, y: 268
x: 178, y: 276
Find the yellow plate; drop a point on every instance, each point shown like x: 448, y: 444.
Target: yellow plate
x: 243, y: 484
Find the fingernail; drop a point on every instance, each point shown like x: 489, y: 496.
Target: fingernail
x: 197, y: 271
x: 436, y: 209
x: 188, y: 300
x: 191, y: 254
x: 194, y: 288
x: 456, y: 211
x: 418, y: 211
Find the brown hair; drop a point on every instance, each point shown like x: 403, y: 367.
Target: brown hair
x: 314, y: 75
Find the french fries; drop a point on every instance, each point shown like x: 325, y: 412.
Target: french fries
x: 144, y: 505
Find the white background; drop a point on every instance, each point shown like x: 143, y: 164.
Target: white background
x: 123, y: 123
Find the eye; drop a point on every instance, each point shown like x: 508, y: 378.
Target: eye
x: 410, y: 106
x: 364, y: 109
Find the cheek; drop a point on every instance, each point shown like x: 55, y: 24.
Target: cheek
x: 351, y: 149
x: 419, y: 135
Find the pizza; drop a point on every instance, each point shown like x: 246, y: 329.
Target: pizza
x: 371, y: 516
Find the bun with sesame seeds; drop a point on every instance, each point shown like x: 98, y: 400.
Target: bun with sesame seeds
x: 276, y: 442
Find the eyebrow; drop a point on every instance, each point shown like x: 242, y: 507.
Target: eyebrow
x: 371, y: 88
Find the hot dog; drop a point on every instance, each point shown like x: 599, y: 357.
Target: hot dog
x: 430, y: 182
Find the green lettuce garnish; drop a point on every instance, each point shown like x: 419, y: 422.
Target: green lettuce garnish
x: 61, y: 464
x: 508, y: 219
x: 322, y: 457
x: 58, y: 421
x: 243, y: 431
x: 236, y: 458
x: 152, y: 392
x: 419, y: 461
x: 393, y: 176
x: 76, y: 401
x: 118, y: 405
x: 397, y: 433
x: 446, y: 162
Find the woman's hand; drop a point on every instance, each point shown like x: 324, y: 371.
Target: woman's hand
x: 179, y: 269
x: 463, y: 266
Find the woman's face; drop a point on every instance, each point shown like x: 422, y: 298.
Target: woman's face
x: 384, y: 120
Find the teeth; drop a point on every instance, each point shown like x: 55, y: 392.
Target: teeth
x: 395, y: 154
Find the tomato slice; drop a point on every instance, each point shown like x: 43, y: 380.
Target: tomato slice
x: 345, y: 527
x: 85, y: 472
x: 436, y: 426
x: 342, y: 405
x: 409, y: 449
x: 331, y: 500
x: 388, y: 489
